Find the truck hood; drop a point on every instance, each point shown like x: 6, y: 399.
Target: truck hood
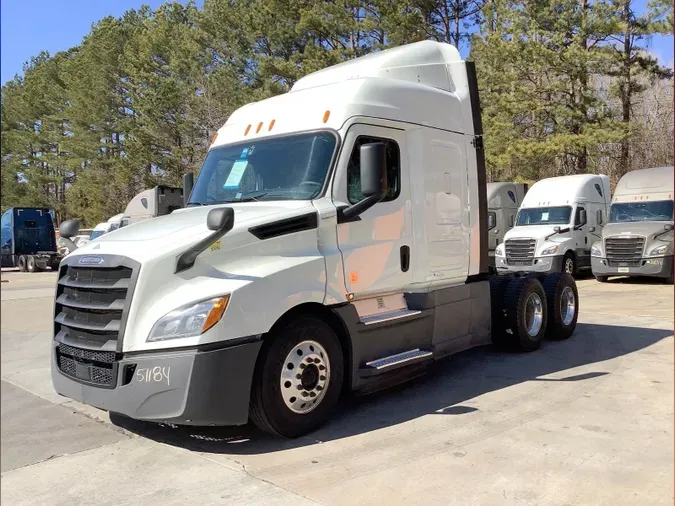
x: 179, y: 230
x: 535, y: 232
x: 644, y: 228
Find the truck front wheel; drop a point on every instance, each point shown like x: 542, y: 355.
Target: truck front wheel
x: 526, y: 313
x: 298, y: 378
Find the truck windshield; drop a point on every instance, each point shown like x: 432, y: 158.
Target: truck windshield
x: 95, y: 234
x: 292, y: 167
x: 660, y: 210
x: 544, y: 216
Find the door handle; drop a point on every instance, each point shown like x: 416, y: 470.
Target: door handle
x: 405, y: 258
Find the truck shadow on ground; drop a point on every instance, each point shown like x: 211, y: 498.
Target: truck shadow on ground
x: 448, y: 384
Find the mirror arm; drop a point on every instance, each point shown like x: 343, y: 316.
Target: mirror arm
x: 351, y: 213
x: 187, y: 259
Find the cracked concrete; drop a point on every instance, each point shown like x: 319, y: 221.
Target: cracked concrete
x: 584, y: 421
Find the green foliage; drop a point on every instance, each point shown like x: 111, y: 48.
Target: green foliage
x: 135, y: 104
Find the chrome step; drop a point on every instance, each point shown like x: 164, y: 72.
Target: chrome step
x: 396, y: 360
x: 396, y: 314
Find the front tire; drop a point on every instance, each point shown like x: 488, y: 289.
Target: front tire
x: 563, y: 305
x: 526, y: 313
x: 298, y: 378
x: 569, y: 264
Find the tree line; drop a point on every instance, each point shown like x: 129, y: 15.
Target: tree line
x: 567, y: 86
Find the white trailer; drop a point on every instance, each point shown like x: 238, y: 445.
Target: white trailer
x: 558, y: 221
x: 335, y: 239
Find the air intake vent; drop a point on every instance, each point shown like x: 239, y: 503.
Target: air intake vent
x: 283, y: 227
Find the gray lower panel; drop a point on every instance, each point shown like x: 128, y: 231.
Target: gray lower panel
x: 450, y: 320
x: 542, y: 264
x: 188, y: 387
x: 651, y: 267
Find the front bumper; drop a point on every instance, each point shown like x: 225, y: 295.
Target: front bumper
x: 186, y: 387
x: 540, y: 264
x: 658, y: 267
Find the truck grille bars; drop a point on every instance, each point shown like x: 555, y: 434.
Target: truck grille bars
x: 92, y: 303
x: 519, y: 251
x: 624, y: 251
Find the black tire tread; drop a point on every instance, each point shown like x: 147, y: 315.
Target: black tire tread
x: 553, y: 286
x: 498, y: 285
x: 514, y: 297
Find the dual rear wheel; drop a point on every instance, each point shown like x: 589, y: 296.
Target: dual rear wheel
x: 527, y: 309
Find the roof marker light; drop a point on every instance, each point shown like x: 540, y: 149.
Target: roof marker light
x: 326, y: 115
x: 214, y: 137
x: 259, y: 127
x: 248, y: 128
x: 271, y: 125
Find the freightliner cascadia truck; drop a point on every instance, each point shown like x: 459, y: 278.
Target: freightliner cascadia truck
x: 335, y: 240
x: 638, y: 240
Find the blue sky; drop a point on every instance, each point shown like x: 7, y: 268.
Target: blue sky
x: 30, y: 26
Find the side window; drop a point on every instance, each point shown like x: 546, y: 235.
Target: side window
x: 598, y: 189
x: 6, y: 219
x: 512, y: 196
x: 393, y: 169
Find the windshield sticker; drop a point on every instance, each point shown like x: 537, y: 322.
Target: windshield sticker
x: 544, y: 216
x: 244, y: 154
x: 236, y: 173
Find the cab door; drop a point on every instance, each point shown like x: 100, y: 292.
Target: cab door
x: 376, y: 246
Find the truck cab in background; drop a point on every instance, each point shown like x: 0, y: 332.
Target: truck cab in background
x: 638, y: 239
x: 28, y: 239
x: 335, y: 239
x: 504, y: 199
x: 558, y: 221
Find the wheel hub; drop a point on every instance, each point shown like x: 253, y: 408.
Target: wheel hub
x: 567, y: 305
x: 534, y: 314
x: 305, y: 377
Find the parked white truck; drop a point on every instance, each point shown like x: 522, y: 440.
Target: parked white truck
x: 558, y: 221
x: 336, y: 238
x: 638, y: 240
x: 504, y: 199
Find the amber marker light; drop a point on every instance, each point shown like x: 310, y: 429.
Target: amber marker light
x: 216, y: 313
x: 248, y: 129
x: 259, y: 127
x: 326, y: 115
x: 269, y: 129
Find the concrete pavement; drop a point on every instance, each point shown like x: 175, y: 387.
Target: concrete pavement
x: 584, y: 421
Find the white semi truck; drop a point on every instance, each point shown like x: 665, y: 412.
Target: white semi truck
x: 558, y: 221
x: 638, y: 240
x: 335, y: 239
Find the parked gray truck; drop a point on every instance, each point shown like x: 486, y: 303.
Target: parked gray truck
x: 638, y: 239
x: 504, y: 199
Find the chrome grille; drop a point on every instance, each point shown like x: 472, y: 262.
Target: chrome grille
x: 519, y: 251
x: 624, y: 251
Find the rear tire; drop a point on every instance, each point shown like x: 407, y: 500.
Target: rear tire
x: 526, y: 313
x: 21, y: 264
x: 562, y: 300
x: 31, y: 264
x: 309, y: 345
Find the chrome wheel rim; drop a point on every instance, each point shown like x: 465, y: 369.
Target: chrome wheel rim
x: 569, y: 265
x: 534, y: 314
x: 568, y: 306
x: 305, y: 377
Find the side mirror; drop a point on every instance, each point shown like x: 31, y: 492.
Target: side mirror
x: 373, y: 179
x: 69, y: 228
x: 591, y: 229
x: 220, y: 219
x: 188, y: 183
x: 491, y: 221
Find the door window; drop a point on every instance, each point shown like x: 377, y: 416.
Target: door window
x: 393, y: 169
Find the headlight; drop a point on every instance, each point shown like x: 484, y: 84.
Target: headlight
x: 499, y: 250
x: 550, y: 250
x: 189, y: 321
x: 659, y: 250
x: 595, y: 251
